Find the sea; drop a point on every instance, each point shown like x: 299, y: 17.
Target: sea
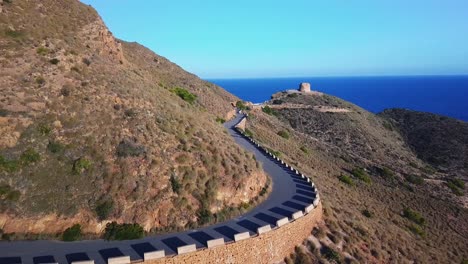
x: 444, y: 95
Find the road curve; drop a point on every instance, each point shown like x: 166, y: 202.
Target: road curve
x: 290, y: 193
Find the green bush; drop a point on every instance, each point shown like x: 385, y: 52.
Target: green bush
x: 248, y: 132
x: 8, y: 165
x: 8, y: 193
x: 362, y: 175
x: 346, y: 179
x: 40, y: 80
x: 175, y: 184
x: 104, y: 209
x: 305, y: 149
x: 414, y: 179
x: 220, y: 120
x: 283, y: 134
x: 277, y: 101
x: 204, y: 216
x: 455, y: 189
x: 127, y: 148
x: 42, y: 51
x: 416, y: 230
x: 184, y: 94
x: 459, y: 183
x: 81, y: 165
x: 268, y: 110
x: 414, y: 216
x: 54, y: 61
x: 55, y: 147
x: 116, y: 231
x: 240, y: 105
x: 387, y: 173
x: 44, y: 129
x: 14, y: 34
x: 29, y: 156
x: 72, y: 233
x: 331, y: 254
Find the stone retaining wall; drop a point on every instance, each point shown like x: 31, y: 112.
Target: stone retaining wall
x: 268, y: 247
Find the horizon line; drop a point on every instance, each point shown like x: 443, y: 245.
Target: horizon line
x: 338, y: 76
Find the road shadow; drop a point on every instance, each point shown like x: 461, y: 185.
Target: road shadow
x: 44, y: 259
x: 304, y: 187
x: 201, y: 237
x: 226, y: 231
x: 281, y: 211
x: 108, y: 253
x: 247, y: 224
x: 303, y: 199
x: 173, y: 243
x: 308, y: 194
x: 142, y: 248
x: 10, y: 260
x: 74, y: 257
x: 294, y: 205
x: 266, y: 218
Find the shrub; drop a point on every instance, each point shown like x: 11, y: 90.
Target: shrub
x: 55, y: 147
x: 388, y: 126
x: 305, y: 149
x: 457, y: 191
x: 367, y: 213
x: 362, y: 175
x: 44, y: 129
x: 268, y: 110
x: 81, y: 165
x: 277, y: 101
x: 130, y: 113
x: 283, y: 134
x: 220, y: 120
x: 14, y: 33
x: 292, y: 95
x: 29, y: 156
x: 104, y: 209
x: 331, y: 254
x: 387, y: 173
x: 184, y: 94
x: 346, y: 179
x: 176, y: 186
x: 414, y: 179
x: 116, y: 231
x: 414, y: 216
x: 42, y: 51
x: 8, y: 193
x: 8, y: 165
x: 72, y: 233
x: 66, y: 90
x: 416, y: 230
x: 204, y: 216
x: 54, y: 61
x: 127, y: 148
x: 459, y: 183
x: 248, y: 132
x: 240, y: 105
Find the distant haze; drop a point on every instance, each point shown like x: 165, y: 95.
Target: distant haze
x: 226, y: 39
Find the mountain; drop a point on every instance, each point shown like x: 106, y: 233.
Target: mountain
x: 384, y: 201
x: 440, y: 141
x: 95, y: 129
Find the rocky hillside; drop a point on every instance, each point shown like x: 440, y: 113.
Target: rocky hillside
x: 438, y: 140
x: 96, y: 129
x: 383, y: 202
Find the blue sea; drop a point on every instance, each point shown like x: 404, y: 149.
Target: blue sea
x: 445, y: 95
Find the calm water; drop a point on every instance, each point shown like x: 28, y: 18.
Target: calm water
x: 446, y: 95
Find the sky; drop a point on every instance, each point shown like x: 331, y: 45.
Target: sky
x: 258, y: 38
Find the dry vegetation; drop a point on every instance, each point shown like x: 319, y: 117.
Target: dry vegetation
x: 382, y: 204
x: 95, y: 129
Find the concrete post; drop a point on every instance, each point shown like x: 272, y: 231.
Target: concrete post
x: 119, y: 260
x: 154, y: 255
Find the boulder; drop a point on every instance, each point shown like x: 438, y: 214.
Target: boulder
x: 304, y: 87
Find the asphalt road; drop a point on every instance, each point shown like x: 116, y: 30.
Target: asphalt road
x: 289, y: 194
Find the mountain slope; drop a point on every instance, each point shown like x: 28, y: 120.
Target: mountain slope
x: 382, y: 203
x: 95, y: 129
x: 438, y: 140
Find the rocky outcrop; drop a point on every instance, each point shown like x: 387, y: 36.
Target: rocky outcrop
x: 304, y: 87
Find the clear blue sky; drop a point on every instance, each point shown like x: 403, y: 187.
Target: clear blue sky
x: 257, y: 38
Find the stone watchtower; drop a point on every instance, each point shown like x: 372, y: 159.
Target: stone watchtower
x: 304, y: 87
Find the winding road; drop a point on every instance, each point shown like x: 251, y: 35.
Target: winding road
x: 290, y: 193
